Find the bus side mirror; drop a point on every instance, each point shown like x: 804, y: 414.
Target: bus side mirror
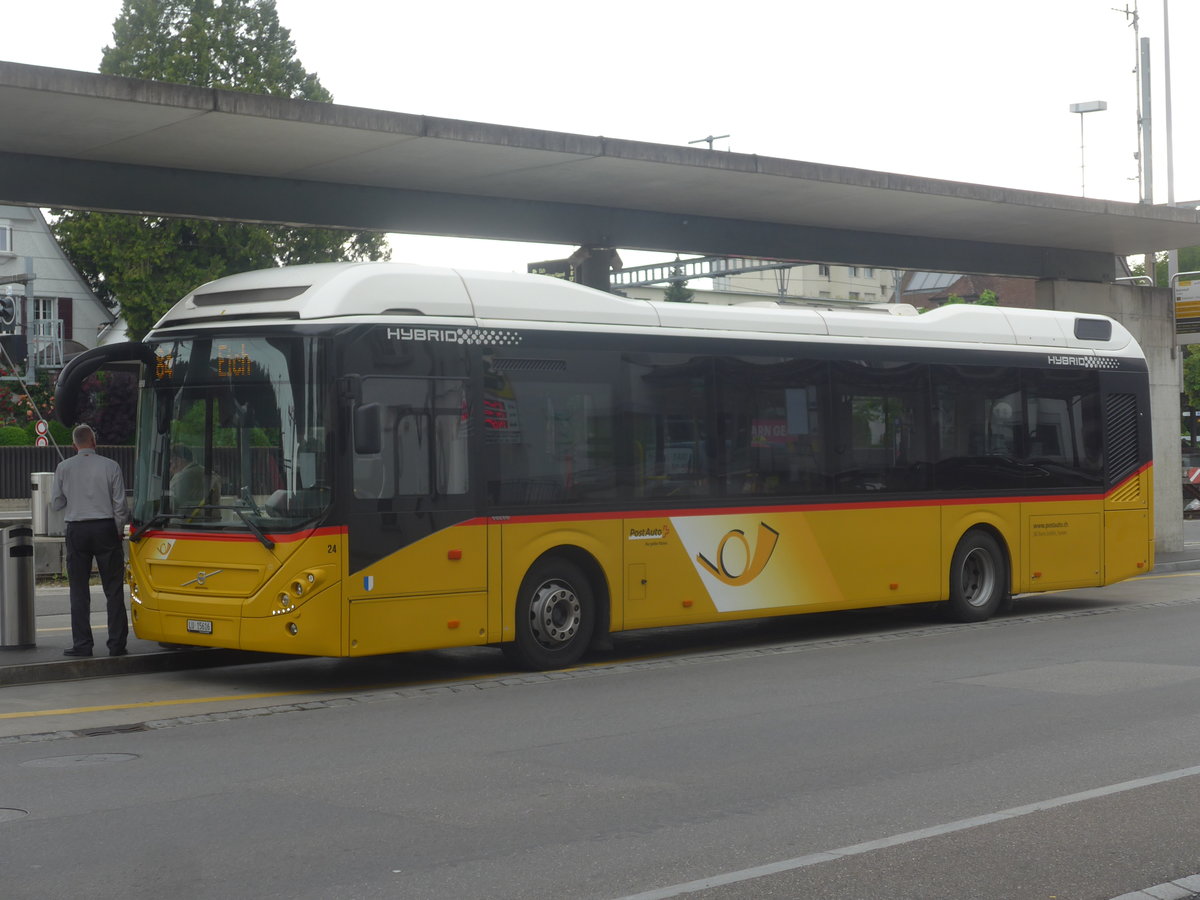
x: 368, y: 430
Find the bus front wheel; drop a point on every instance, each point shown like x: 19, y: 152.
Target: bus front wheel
x: 555, y: 616
x: 978, y: 578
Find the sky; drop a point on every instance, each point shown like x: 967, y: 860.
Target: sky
x: 965, y: 90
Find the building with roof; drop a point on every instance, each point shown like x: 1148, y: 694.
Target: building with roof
x: 55, y: 309
x: 929, y: 290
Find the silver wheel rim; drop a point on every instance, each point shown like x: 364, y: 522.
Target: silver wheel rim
x: 554, y: 614
x: 978, y: 576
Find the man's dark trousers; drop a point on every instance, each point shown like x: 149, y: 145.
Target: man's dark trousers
x: 96, y: 539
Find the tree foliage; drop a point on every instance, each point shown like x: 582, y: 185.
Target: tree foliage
x: 1189, y: 261
x: 146, y: 263
x: 1191, y: 375
x: 677, y: 291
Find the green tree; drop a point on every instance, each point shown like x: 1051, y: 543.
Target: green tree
x: 146, y: 263
x: 677, y: 291
x: 1191, y: 375
x: 987, y: 297
x: 1189, y: 261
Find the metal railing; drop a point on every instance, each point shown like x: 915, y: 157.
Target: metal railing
x: 18, y: 463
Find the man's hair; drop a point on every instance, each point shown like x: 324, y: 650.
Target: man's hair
x: 83, y: 436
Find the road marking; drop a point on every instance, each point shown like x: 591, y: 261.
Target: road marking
x: 907, y: 837
x: 148, y: 704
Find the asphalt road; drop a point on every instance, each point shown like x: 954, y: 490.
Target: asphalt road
x: 1048, y: 754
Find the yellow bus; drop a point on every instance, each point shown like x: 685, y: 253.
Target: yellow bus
x: 383, y: 457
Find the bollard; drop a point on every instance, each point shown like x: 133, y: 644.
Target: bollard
x: 17, y: 623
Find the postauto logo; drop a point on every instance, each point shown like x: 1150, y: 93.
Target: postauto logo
x: 758, y: 558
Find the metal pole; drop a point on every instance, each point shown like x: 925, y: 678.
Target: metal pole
x: 1082, y: 170
x: 1147, y: 152
x: 1172, y: 255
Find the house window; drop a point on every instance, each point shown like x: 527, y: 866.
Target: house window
x: 868, y: 272
x: 5, y: 238
x: 854, y: 295
x: 852, y: 271
x: 823, y: 271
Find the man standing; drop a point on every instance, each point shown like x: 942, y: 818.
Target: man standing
x: 92, y: 490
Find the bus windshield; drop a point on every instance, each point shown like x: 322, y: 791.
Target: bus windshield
x: 233, y: 434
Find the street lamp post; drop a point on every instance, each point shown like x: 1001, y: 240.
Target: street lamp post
x: 1081, y: 108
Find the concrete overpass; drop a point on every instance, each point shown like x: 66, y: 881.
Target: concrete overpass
x: 98, y: 142
x: 89, y: 141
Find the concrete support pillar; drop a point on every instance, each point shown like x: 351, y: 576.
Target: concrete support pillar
x: 1149, y: 314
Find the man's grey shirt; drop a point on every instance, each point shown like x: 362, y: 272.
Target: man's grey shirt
x: 90, y: 486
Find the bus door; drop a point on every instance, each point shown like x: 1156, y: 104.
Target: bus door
x: 417, y: 557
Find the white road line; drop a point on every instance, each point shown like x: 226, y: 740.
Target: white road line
x: 908, y: 837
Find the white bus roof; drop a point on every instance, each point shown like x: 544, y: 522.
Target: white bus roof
x: 368, y: 290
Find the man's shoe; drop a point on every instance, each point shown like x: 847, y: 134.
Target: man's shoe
x: 77, y: 651
x: 120, y: 651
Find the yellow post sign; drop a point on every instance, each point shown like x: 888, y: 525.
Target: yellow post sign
x: 1187, y: 306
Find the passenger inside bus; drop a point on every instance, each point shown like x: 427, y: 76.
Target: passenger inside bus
x: 188, y: 484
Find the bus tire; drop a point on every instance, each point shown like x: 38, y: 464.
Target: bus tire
x: 978, y: 578
x: 555, y: 616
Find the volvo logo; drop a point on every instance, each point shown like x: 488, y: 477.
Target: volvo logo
x: 201, y: 577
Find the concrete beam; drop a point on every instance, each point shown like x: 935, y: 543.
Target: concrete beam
x: 83, y: 184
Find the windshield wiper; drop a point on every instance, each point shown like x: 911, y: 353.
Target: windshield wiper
x: 254, y: 529
x: 158, y: 519
x: 162, y: 518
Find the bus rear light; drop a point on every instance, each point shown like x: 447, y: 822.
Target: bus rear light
x: 454, y: 554
x: 292, y: 629
x: 285, y: 599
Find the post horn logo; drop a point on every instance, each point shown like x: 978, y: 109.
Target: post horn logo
x: 768, y: 537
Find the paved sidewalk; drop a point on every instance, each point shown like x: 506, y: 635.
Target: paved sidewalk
x: 45, y: 662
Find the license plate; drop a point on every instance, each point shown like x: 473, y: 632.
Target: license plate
x: 199, y: 626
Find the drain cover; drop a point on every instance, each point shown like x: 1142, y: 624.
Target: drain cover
x: 87, y: 759
x: 7, y: 815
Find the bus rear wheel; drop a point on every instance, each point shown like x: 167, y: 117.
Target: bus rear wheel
x: 978, y: 579
x: 555, y: 616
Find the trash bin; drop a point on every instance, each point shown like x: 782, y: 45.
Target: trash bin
x: 46, y: 521
x: 17, y: 624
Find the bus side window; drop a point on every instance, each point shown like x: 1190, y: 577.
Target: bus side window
x: 410, y: 438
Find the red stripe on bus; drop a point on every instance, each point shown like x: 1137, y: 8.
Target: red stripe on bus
x: 324, y: 531
x: 804, y: 507
x: 534, y: 518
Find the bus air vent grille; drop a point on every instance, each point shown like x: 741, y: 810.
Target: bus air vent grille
x: 1121, y: 423
x: 1130, y: 493
x: 529, y: 365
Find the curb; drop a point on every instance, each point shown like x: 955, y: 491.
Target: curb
x: 134, y: 664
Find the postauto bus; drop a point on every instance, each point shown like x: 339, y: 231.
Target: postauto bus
x: 398, y: 458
